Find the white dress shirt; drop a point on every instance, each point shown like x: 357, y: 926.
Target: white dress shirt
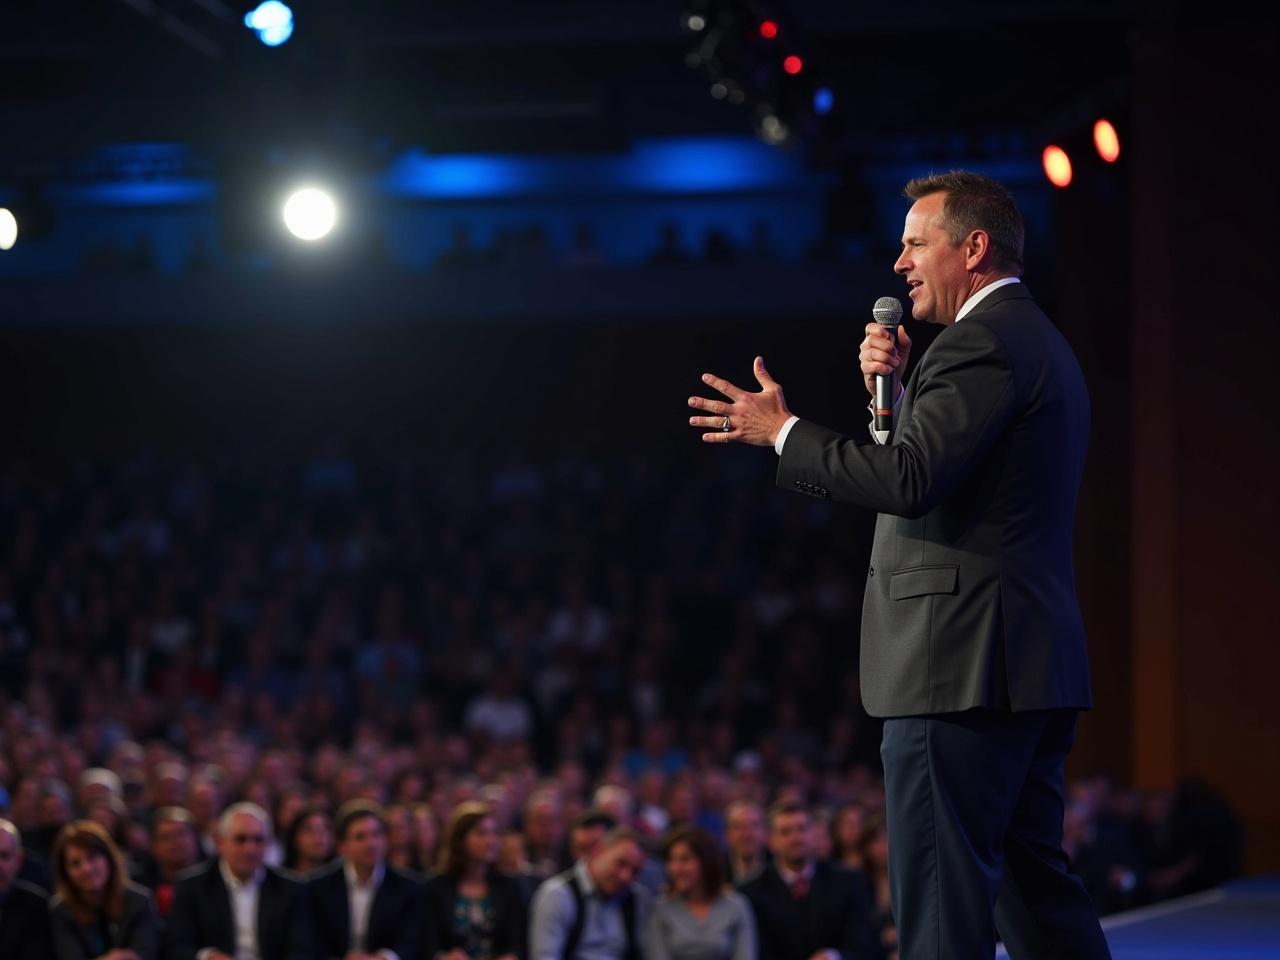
x: 244, y: 913
x: 360, y: 902
x: 965, y: 309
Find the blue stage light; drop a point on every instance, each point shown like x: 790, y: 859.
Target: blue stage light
x: 273, y: 22
x: 823, y: 101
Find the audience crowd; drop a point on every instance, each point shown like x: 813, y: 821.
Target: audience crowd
x: 343, y: 707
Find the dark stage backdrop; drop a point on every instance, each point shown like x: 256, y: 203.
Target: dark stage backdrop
x: 1173, y: 316
x: 1202, y: 347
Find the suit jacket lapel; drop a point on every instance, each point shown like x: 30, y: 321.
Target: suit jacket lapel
x: 1009, y: 291
x: 224, y: 932
x: 335, y: 903
x: 377, y: 911
x: 268, y: 895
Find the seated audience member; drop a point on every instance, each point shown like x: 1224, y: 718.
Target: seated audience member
x: 364, y: 908
x: 544, y: 833
x: 96, y: 912
x: 308, y: 843
x: 846, y: 836
x: 804, y: 906
x: 744, y: 834
x: 698, y: 918
x: 236, y: 906
x: 875, y: 857
x: 595, y: 910
x: 400, y: 852
x: 473, y: 912
x: 24, y: 907
x: 426, y: 837
x: 513, y: 860
x: 175, y: 846
x: 588, y: 829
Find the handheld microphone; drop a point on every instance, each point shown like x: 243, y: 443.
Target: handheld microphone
x: 887, y: 312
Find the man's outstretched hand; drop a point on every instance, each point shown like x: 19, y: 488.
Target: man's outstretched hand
x: 754, y: 418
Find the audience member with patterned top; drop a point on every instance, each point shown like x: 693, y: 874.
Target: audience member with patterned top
x: 473, y: 912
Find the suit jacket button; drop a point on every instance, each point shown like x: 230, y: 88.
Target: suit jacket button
x: 871, y: 571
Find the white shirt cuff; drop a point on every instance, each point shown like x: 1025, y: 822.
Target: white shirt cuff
x: 782, y: 435
x: 897, y: 406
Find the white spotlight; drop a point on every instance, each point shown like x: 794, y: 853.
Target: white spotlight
x: 272, y: 21
x: 310, y: 214
x: 8, y: 229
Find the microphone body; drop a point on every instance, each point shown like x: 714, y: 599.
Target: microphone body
x: 888, y: 313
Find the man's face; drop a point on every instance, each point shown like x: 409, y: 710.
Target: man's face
x: 10, y: 859
x: 174, y: 845
x: 364, y: 845
x: 744, y: 831
x: 934, y: 268
x: 615, y: 868
x: 243, y: 845
x: 543, y: 827
x: 583, y: 840
x: 790, y: 838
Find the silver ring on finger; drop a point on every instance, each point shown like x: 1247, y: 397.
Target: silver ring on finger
x: 725, y: 426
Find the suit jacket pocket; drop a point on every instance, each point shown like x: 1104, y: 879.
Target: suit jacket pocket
x: 922, y: 581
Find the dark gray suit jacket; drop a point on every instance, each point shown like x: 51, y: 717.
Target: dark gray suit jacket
x: 970, y: 599
x: 201, y: 916
x: 395, y: 916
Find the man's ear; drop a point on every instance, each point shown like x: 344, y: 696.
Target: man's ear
x: 977, y: 247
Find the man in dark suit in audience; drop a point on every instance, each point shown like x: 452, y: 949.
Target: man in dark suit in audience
x: 745, y: 855
x: 24, y: 907
x: 236, y: 906
x: 175, y: 847
x: 807, y: 910
x: 365, y: 908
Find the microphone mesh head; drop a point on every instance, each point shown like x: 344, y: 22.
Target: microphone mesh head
x: 887, y: 311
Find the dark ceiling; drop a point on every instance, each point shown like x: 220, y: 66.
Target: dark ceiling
x: 522, y: 75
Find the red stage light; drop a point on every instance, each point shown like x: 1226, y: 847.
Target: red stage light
x: 768, y: 29
x: 1057, y: 166
x: 1106, y: 140
x: 793, y: 65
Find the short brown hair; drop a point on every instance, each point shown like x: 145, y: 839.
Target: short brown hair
x: 974, y: 202
x: 785, y: 808
x: 704, y: 849
x: 354, y: 810
x: 620, y: 835
x: 89, y: 837
x: 453, y: 851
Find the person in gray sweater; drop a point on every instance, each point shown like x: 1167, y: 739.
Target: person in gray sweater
x: 698, y: 918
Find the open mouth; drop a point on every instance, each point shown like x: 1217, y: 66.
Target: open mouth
x: 914, y: 285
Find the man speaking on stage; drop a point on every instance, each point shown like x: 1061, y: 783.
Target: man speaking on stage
x: 973, y: 649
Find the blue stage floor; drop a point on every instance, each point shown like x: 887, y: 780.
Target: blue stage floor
x: 1240, y: 921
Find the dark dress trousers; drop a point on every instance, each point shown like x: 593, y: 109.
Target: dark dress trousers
x: 972, y: 641
x: 201, y: 916
x: 835, y: 914
x: 395, y: 916
x: 24, y: 923
x: 510, y: 916
x: 136, y: 930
